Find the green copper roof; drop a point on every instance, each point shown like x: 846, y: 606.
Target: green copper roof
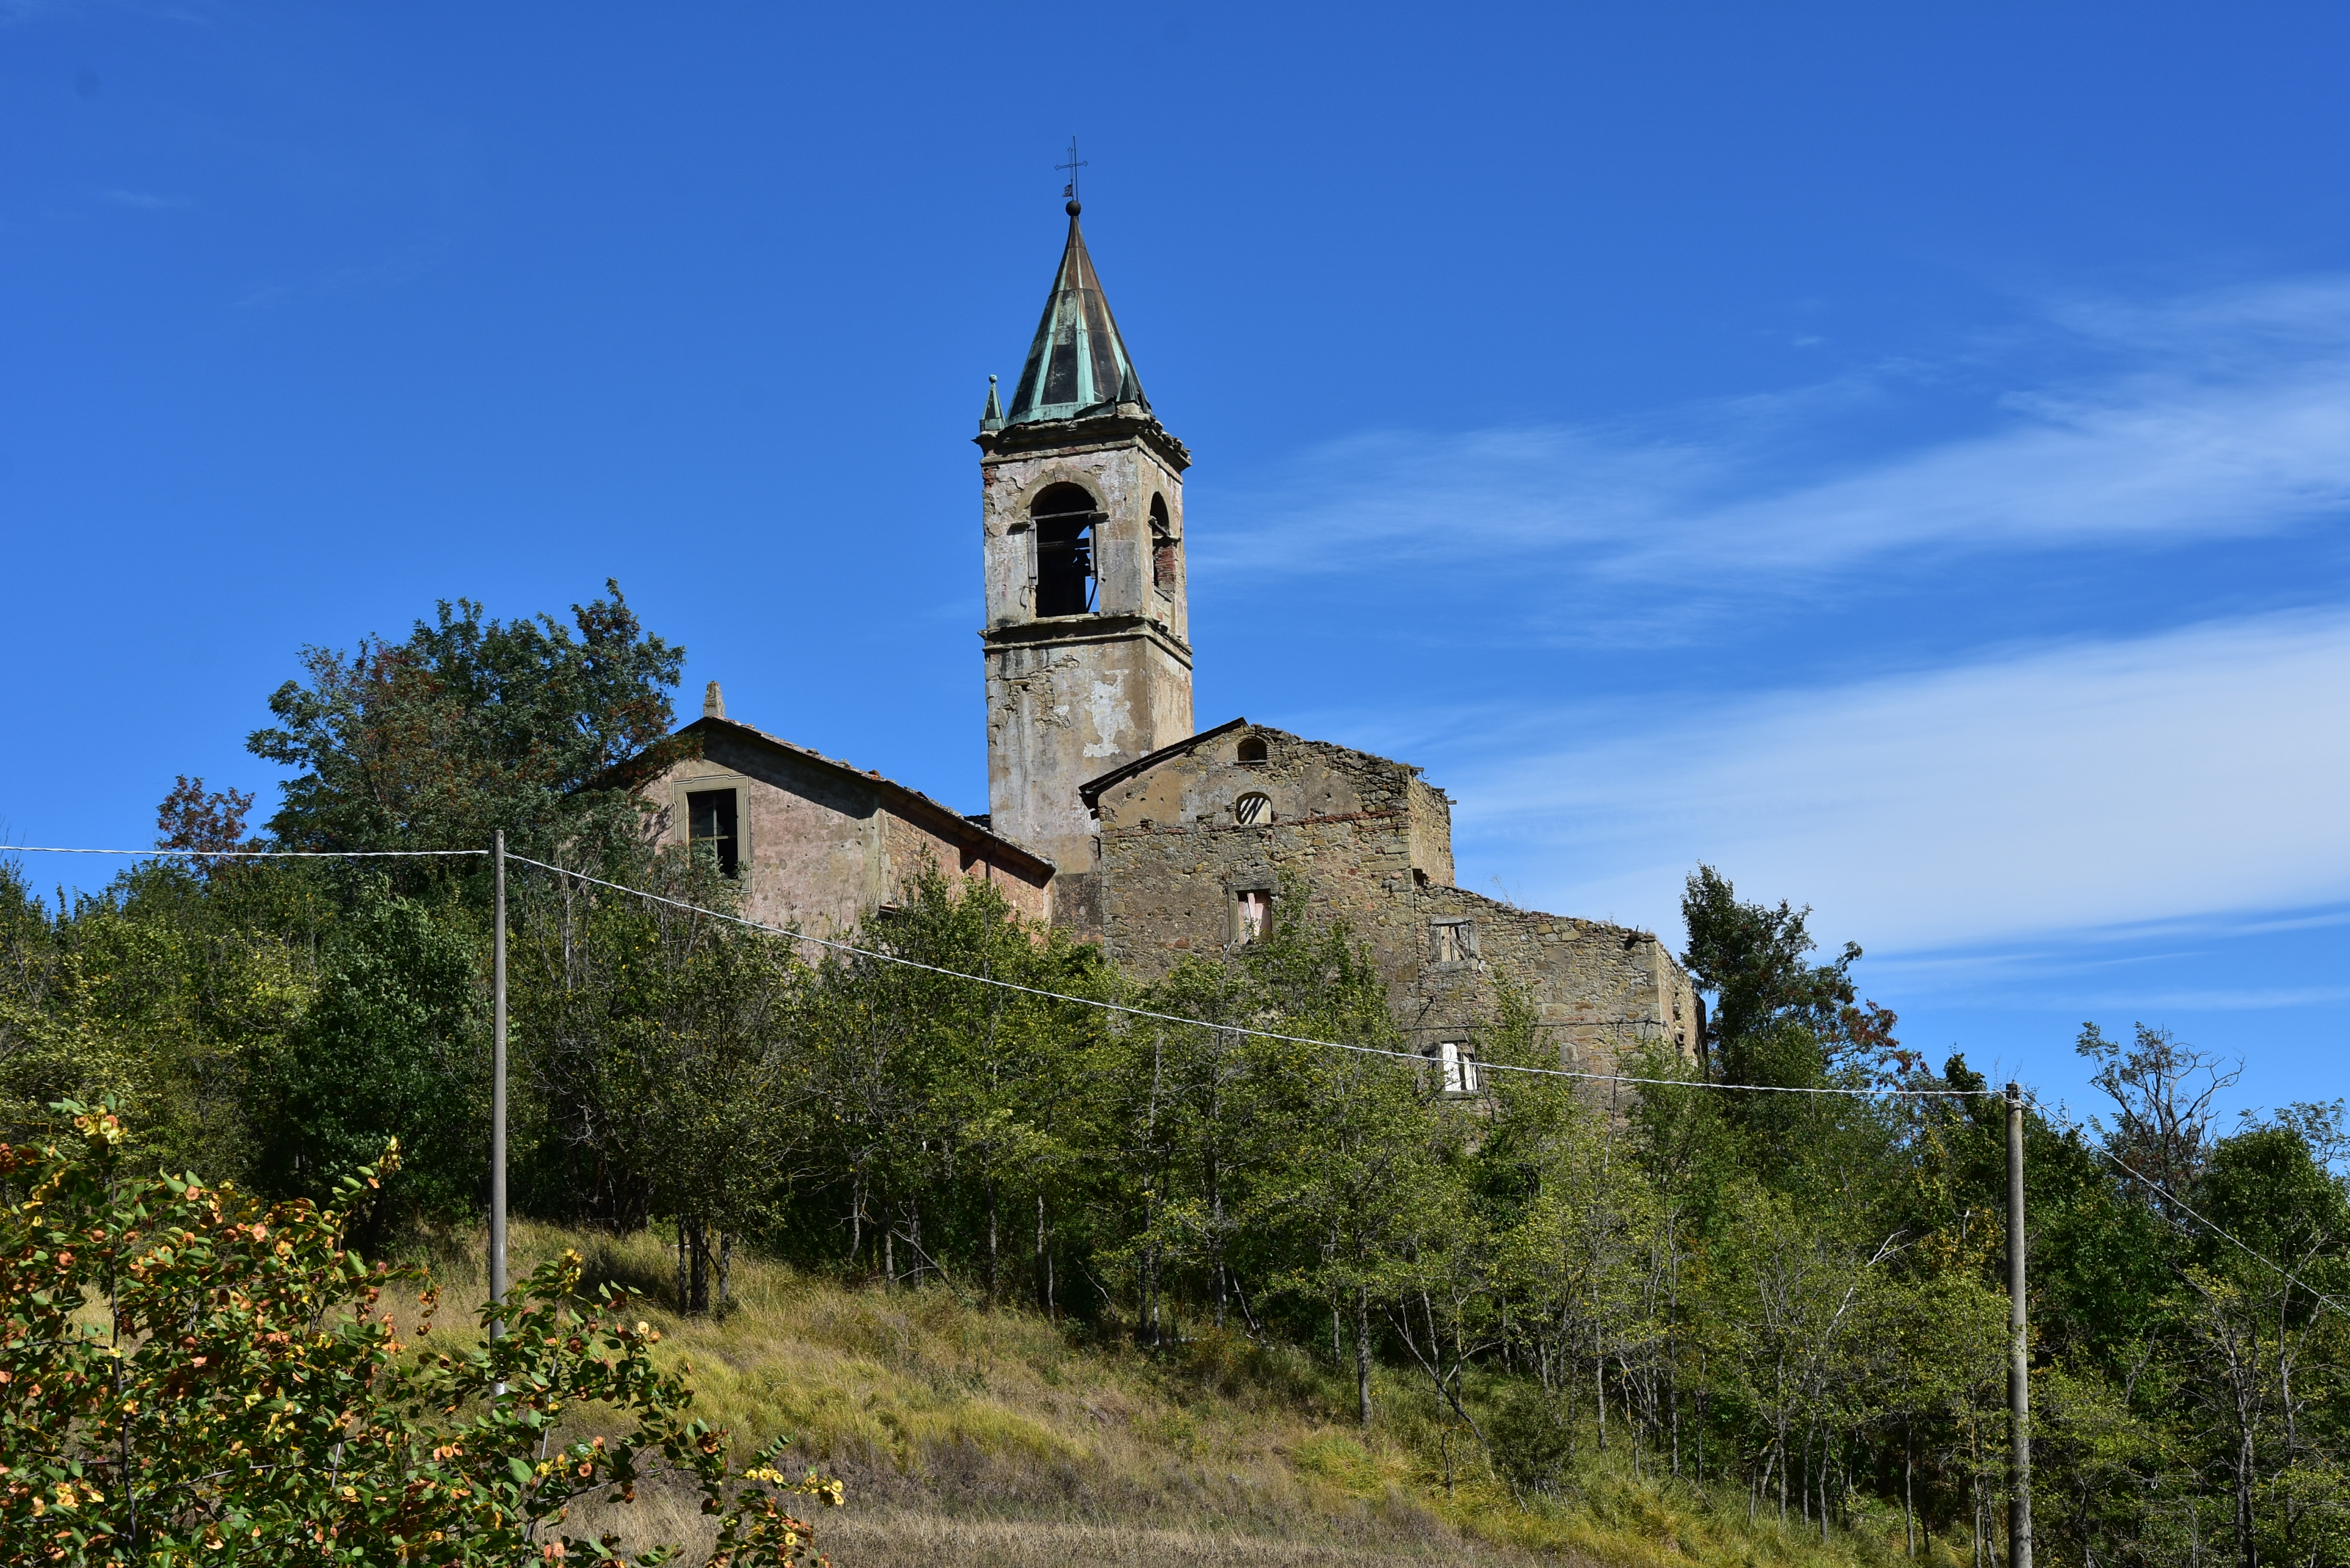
x: 1078, y: 363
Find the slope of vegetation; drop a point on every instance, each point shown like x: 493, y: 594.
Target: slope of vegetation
x: 968, y: 1435
x: 1396, y: 1316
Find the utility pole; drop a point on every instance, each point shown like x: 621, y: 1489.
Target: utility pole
x: 2019, y: 1350
x: 498, y: 1087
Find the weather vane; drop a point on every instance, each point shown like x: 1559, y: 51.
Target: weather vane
x: 1073, y: 165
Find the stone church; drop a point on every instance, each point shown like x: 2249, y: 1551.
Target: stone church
x: 1110, y: 812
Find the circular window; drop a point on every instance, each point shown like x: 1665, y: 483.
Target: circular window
x: 1252, y: 809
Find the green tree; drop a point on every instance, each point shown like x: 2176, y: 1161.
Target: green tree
x: 1364, y: 1146
x: 391, y: 1047
x: 1776, y: 1017
x: 664, y: 1049
x: 470, y: 724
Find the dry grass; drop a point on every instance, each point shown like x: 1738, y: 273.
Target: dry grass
x: 974, y: 1437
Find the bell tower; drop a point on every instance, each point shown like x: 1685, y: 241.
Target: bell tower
x: 1088, y: 637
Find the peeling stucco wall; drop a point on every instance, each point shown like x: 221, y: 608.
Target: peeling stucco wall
x: 820, y: 852
x: 1071, y: 697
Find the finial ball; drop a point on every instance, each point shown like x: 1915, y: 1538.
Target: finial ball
x: 1074, y: 209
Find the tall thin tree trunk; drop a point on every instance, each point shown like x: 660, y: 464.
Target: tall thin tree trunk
x: 725, y: 1269
x: 1908, y: 1506
x: 1216, y: 1211
x: 1363, y: 1353
x: 855, y: 1218
x: 2248, y: 1550
x: 1827, y: 1467
x: 991, y: 1241
x: 1673, y: 1343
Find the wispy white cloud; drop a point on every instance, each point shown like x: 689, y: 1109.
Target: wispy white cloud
x: 2221, y: 416
x: 2071, y: 788
x: 146, y: 201
x: 2252, y: 999
x: 390, y: 272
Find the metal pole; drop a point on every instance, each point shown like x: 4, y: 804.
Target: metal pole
x: 2019, y: 1355
x: 498, y: 1088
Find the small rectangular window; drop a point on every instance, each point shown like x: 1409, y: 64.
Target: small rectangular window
x: 1162, y: 548
x: 1452, y: 941
x: 1457, y: 1065
x: 710, y: 820
x: 1255, y: 912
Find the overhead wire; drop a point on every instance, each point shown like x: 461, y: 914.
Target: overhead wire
x: 243, y: 854
x: 1133, y: 1012
x: 1118, y: 1007
x: 2289, y: 1276
x: 2181, y: 1205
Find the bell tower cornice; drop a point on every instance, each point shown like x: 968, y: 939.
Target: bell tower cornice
x: 1096, y: 432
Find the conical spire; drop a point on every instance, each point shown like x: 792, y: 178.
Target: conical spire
x: 1078, y: 363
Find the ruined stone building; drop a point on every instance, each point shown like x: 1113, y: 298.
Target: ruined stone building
x: 1107, y: 811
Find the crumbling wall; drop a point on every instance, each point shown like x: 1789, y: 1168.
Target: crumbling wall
x: 1368, y: 843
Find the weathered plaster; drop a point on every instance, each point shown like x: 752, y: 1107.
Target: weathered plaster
x: 1070, y: 697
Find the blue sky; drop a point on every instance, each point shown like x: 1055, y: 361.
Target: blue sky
x: 1898, y: 454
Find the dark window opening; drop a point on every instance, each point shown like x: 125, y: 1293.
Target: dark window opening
x: 1252, y: 810
x: 1065, y: 516
x: 1251, y: 749
x: 710, y: 819
x: 1163, y: 546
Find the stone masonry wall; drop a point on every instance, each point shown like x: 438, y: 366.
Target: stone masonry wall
x: 1369, y: 843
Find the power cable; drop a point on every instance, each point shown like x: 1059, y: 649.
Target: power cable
x: 2155, y: 1187
x: 243, y: 854
x: 1229, y: 1028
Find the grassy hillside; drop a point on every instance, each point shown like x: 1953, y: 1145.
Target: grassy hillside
x: 968, y: 1436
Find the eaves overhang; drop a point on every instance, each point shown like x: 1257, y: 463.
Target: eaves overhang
x: 910, y: 804
x: 1090, y: 792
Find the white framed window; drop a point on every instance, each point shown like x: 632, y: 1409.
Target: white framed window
x: 1456, y: 1066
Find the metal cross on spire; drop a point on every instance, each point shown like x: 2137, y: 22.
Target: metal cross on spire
x: 1073, y: 165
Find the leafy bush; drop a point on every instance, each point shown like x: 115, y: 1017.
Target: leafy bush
x: 244, y: 1394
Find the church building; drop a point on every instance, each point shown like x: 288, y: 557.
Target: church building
x: 1109, y: 811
